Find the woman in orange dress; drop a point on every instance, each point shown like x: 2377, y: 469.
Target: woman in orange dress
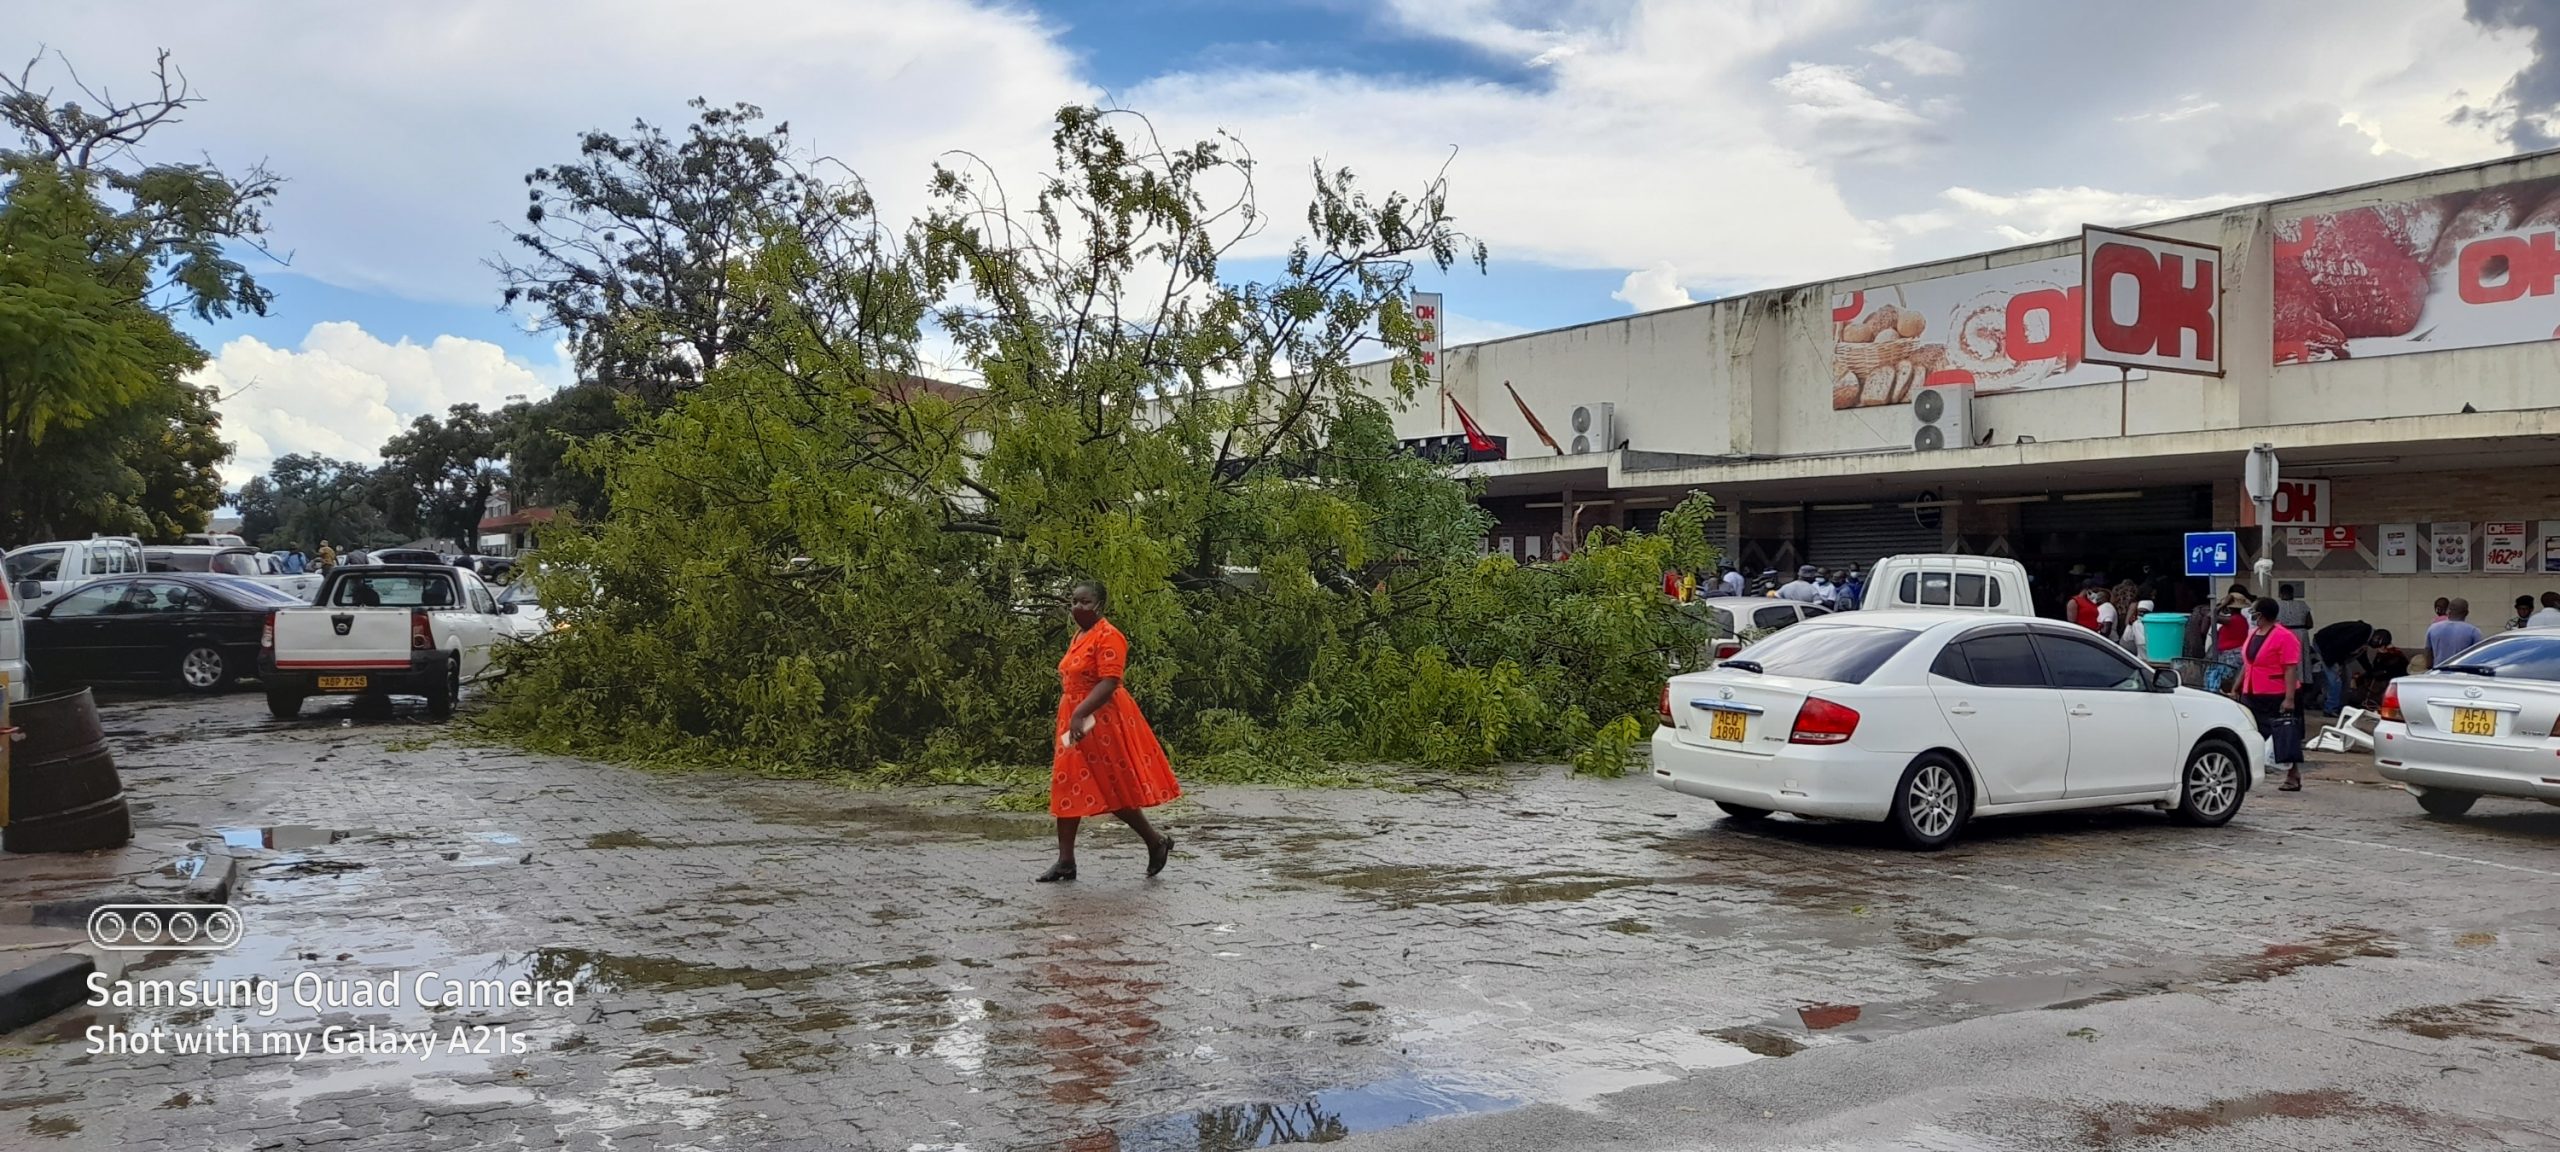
x: 1107, y: 759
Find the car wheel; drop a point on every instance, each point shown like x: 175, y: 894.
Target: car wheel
x: 1929, y: 806
x: 440, y: 700
x: 2209, y: 787
x: 1743, y: 811
x: 284, y: 705
x: 2445, y: 805
x: 201, y: 668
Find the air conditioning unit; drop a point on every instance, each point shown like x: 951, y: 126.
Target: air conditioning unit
x: 1942, y: 417
x: 1595, y: 428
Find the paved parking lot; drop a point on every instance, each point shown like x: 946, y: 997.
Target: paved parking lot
x: 1539, y: 963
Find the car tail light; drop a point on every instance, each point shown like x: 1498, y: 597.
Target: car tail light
x: 267, y: 634
x: 1726, y: 649
x: 1822, y: 722
x: 419, y: 638
x: 2391, y: 702
x: 1666, y: 703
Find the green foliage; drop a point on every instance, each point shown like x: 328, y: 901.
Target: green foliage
x: 436, y: 477
x: 98, y: 431
x: 1611, y: 748
x: 811, y: 560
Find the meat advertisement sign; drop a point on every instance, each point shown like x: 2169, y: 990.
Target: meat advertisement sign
x: 2002, y: 330
x: 2462, y: 270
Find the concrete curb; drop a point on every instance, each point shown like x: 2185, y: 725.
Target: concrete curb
x: 59, y: 981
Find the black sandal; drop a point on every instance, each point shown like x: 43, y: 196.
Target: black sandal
x: 1056, y: 873
x: 1158, y: 853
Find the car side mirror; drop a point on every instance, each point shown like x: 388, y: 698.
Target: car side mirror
x: 506, y: 609
x: 28, y: 590
x: 2165, y: 680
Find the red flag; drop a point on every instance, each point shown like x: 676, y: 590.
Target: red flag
x: 1532, y: 418
x: 1477, y: 441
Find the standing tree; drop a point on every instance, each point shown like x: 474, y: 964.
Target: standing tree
x: 437, y: 476
x: 96, y: 247
x: 633, y: 249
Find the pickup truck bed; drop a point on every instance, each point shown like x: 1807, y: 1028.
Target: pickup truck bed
x: 381, y: 630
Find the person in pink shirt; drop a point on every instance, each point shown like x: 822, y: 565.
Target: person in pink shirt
x: 2270, y: 675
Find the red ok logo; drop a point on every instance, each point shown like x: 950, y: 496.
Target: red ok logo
x: 2171, y: 298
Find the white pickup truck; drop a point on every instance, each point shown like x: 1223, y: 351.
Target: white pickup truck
x: 383, y: 630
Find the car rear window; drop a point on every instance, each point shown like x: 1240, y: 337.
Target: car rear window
x: 392, y: 590
x: 252, y: 592
x: 1949, y: 589
x: 1842, y: 654
x: 2514, y: 657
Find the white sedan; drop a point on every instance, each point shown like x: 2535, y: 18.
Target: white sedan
x: 1925, y: 720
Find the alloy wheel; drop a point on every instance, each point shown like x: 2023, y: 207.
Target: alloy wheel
x: 1936, y: 800
x: 201, y: 668
x: 2213, y: 783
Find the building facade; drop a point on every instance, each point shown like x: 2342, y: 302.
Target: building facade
x: 2397, y: 343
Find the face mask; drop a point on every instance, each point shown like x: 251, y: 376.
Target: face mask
x: 1084, y: 617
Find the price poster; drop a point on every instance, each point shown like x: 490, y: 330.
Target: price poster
x: 2502, y: 546
x: 2396, y: 550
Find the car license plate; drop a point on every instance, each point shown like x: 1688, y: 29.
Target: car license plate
x: 329, y: 683
x: 1727, y: 726
x: 2474, y: 722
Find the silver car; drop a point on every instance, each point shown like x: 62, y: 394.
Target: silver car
x: 2479, y: 725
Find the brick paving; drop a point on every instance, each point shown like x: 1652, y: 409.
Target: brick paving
x: 785, y: 964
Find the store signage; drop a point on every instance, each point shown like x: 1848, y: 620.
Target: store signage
x: 2338, y: 537
x: 2303, y: 542
x: 2296, y: 503
x: 2001, y: 330
x: 2213, y: 553
x: 2150, y: 302
x: 2398, y: 550
x: 2551, y: 546
x: 2502, y: 546
x: 2449, y: 547
x: 2468, y: 269
x: 1426, y: 324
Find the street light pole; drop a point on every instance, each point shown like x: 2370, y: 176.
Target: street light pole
x: 2258, y: 476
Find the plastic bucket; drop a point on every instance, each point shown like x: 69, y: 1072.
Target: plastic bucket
x: 2164, y: 634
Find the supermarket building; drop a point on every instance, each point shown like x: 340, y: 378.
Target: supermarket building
x: 2398, y: 343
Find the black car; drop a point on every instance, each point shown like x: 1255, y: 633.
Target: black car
x: 201, y: 630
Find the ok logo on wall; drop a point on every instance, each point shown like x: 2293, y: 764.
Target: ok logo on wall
x: 2463, y: 270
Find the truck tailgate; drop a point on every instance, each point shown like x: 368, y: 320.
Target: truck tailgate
x: 324, y: 637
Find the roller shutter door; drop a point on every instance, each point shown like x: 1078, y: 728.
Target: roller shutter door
x: 2156, y: 510
x: 1855, y: 538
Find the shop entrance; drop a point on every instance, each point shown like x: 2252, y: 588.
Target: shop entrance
x: 2114, y: 535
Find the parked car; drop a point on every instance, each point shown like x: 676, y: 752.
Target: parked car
x: 216, y: 539
x: 38, y: 571
x: 398, y: 629
x: 529, y: 619
x: 198, y: 629
x: 1926, y: 720
x: 1739, y: 617
x: 247, y: 563
x: 2478, y: 725
x: 409, y: 556
x: 1943, y: 581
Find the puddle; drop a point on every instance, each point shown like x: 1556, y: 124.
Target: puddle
x: 626, y: 838
x: 865, y: 819
x: 52, y: 1126
x: 608, y: 972
x: 1760, y: 1041
x: 1821, y: 1017
x: 2111, y: 1127
x: 2489, y: 1019
x: 1321, y: 1118
x: 286, y: 837
x: 1409, y: 885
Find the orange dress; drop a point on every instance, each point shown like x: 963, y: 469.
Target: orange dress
x: 1118, y: 764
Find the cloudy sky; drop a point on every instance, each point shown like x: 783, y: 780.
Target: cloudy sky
x: 1616, y: 155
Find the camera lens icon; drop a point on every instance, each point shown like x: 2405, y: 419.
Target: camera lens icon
x: 165, y: 927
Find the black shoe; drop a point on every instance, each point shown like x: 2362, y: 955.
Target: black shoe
x: 1158, y: 853
x: 1056, y: 873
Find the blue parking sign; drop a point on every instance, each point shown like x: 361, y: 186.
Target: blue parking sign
x: 2213, y: 553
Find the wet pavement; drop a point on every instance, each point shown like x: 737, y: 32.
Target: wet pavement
x: 1542, y: 962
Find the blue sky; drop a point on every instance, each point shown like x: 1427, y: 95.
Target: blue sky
x: 1616, y: 155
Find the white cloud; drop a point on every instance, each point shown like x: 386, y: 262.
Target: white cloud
x: 1919, y: 57
x: 1650, y: 289
x: 405, y: 131
x: 2050, y: 213
x: 344, y: 391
